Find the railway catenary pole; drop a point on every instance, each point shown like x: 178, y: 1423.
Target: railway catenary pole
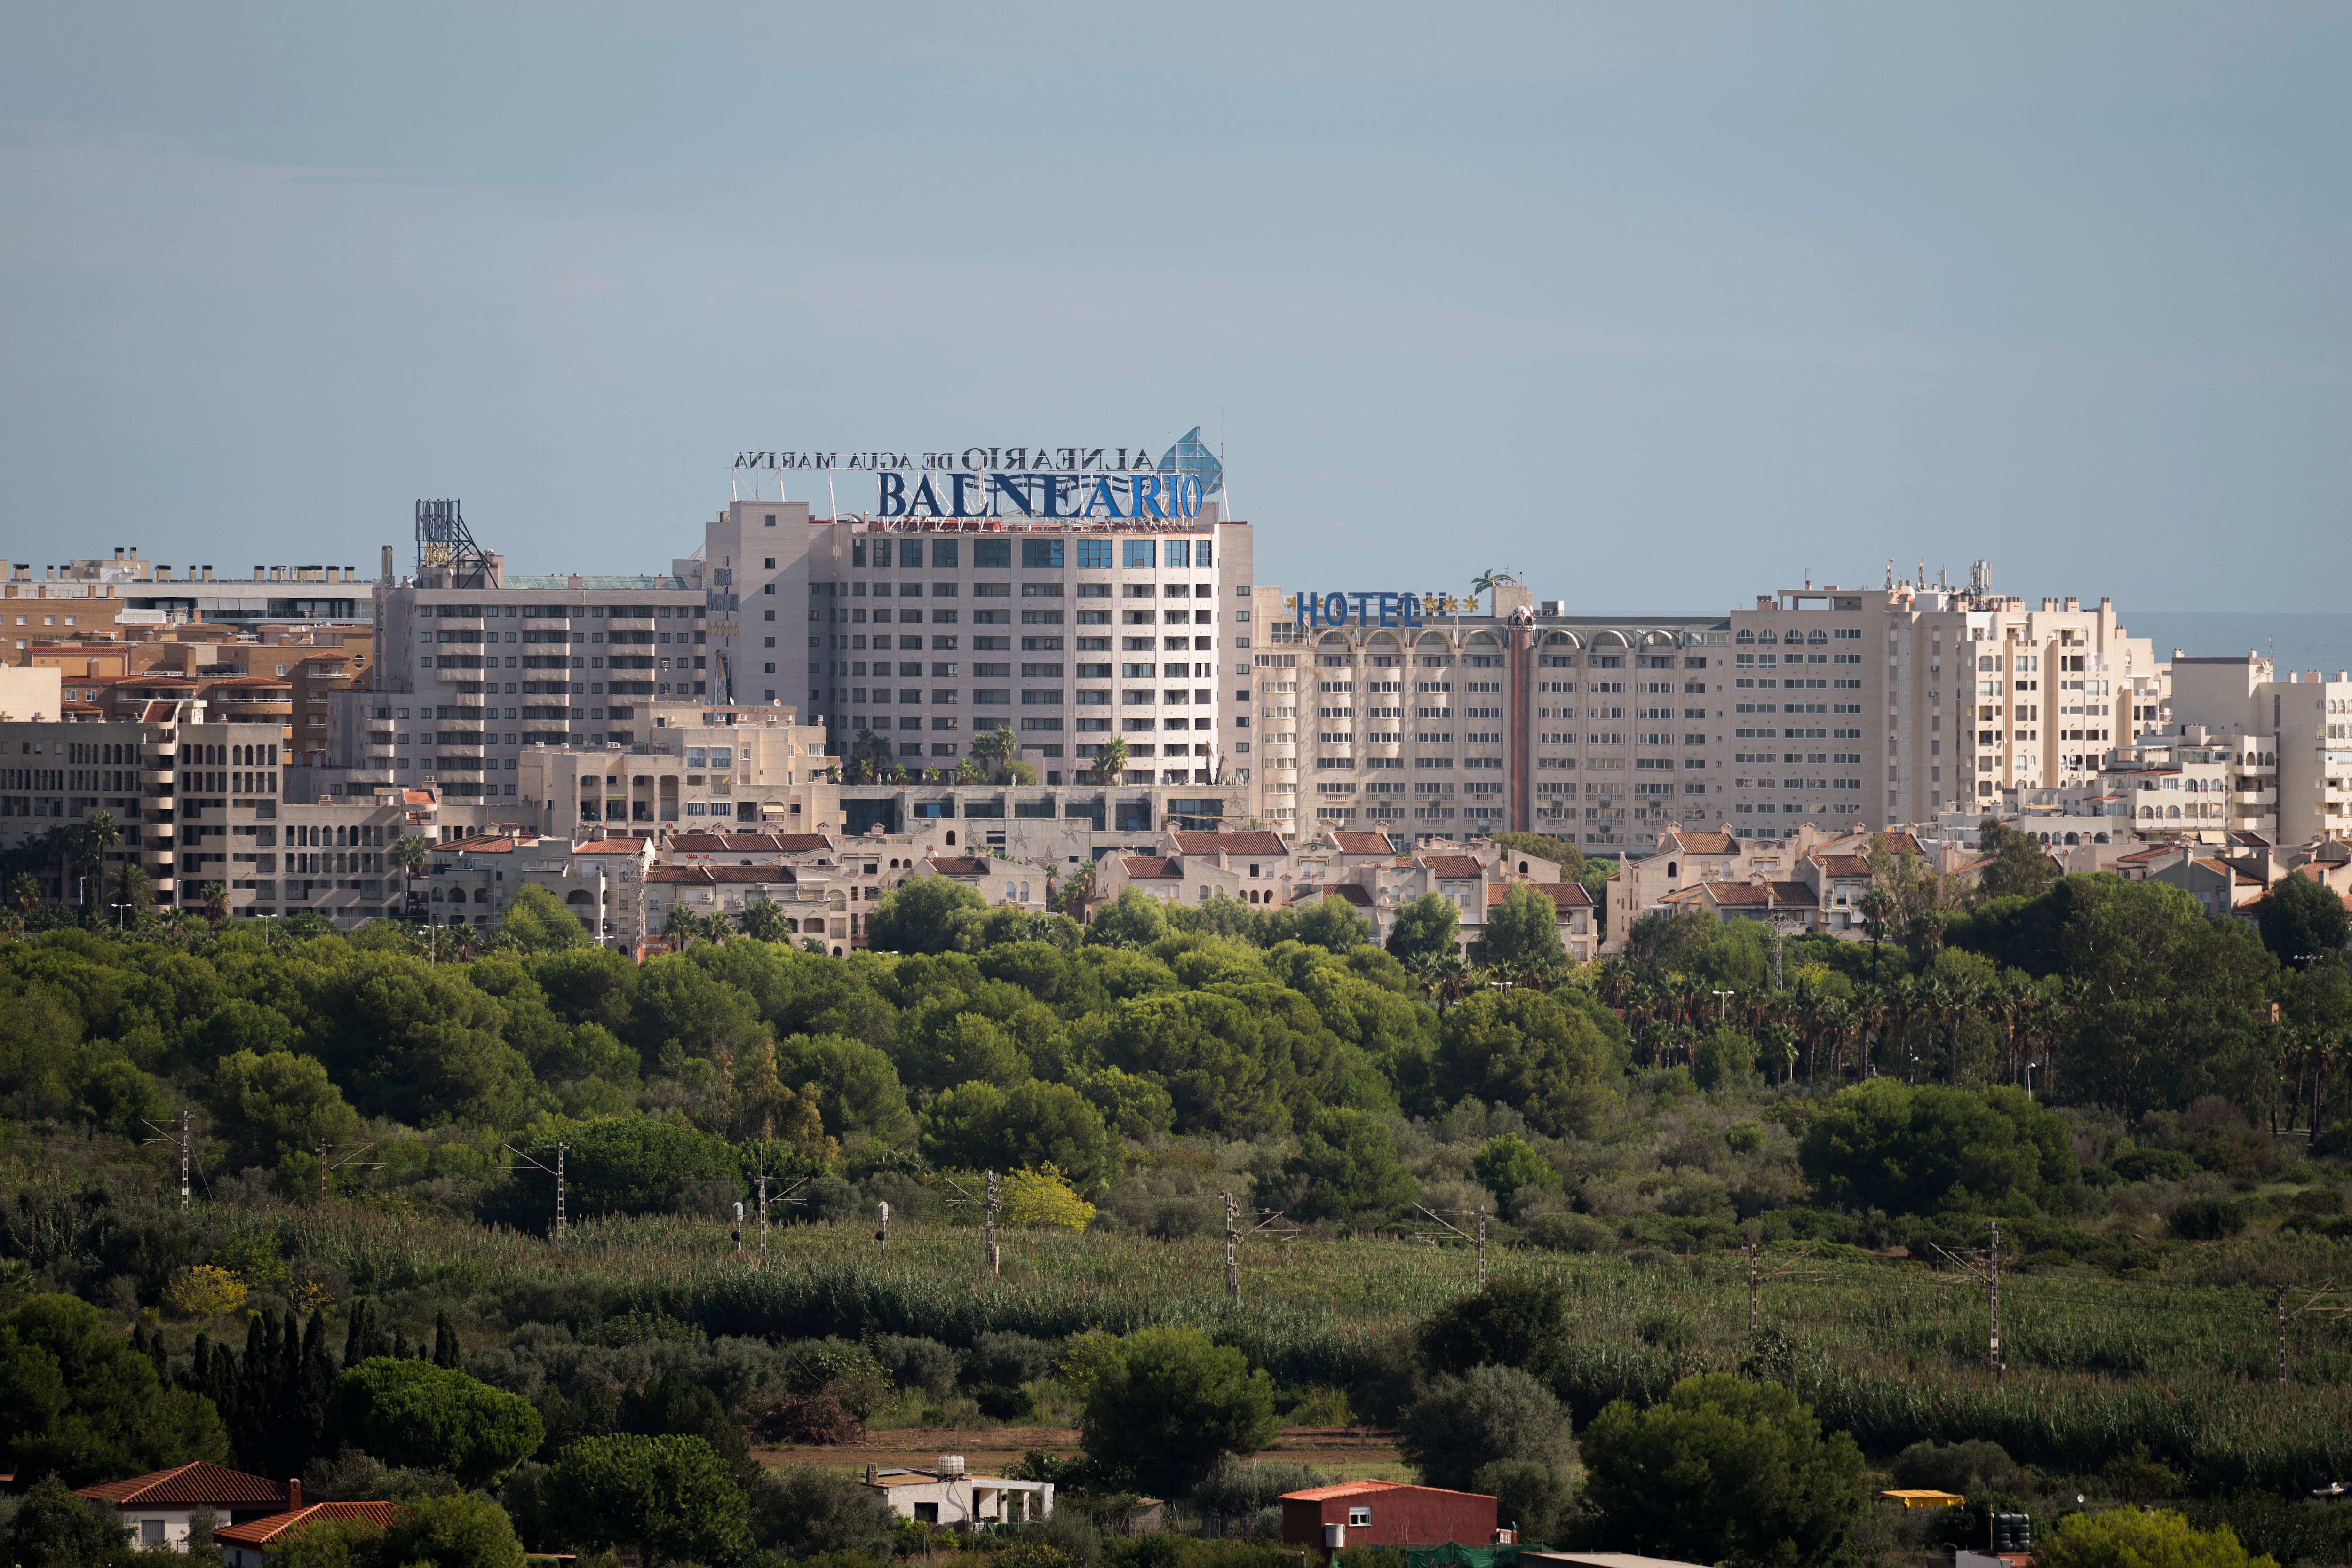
x: 1992, y: 1298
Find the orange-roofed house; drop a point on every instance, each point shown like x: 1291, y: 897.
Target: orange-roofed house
x: 157, y: 1508
x: 246, y: 1545
x: 1387, y: 1513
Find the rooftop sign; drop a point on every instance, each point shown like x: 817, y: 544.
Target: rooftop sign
x: 1077, y: 483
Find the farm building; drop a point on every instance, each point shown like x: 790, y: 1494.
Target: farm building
x: 1387, y: 1513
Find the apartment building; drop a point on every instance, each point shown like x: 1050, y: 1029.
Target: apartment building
x: 474, y: 666
x: 1379, y: 876
x: 149, y: 594
x: 687, y: 769
x: 2290, y: 739
x: 196, y: 802
x: 1060, y: 632
x: 1824, y: 704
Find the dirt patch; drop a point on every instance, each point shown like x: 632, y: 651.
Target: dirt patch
x: 1344, y: 1453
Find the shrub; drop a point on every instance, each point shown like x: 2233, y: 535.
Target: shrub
x: 800, y: 1510
x: 1512, y: 1322
x: 204, y: 1290
x: 1237, y: 1488
x: 924, y: 1364
x: 2128, y: 1538
x: 1724, y: 1056
x: 668, y: 1497
x: 431, y: 1417
x: 1888, y: 1146
x: 1530, y: 1497
x: 77, y: 1400
x: 1964, y: 1467
x: 55, y: 1528
x: 1723, y: 1470
x: 2208, y: 1219
x: 1464, y: 1424
x: 1170, y: 1405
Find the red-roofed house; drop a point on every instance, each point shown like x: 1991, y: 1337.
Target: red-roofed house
x: 246, y: 1545
x: 157, y: 1508
x: 1387, y: 1513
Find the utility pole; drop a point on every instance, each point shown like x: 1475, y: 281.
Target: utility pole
x: 183, y: 1161
x: 763, y: 1211
x: 559, y: 1192
x: 1755, y: 1288
x: 2278, y: 1316
x: 883, y: 1235
x: 1481, y: 1248
x: 738, y: 1234
x: 1233, y: 1254
x: 1992, y: 1297
x: 995, y: 1196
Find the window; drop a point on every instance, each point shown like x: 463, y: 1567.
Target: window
x: 943, y: 552
x: 1360, y: 1516
x: 1039, y: 552
x: 1139, y: 552
x: 991, y: 552
x: 1094, y: 555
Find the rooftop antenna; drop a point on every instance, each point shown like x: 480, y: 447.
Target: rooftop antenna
x: 444, y: 541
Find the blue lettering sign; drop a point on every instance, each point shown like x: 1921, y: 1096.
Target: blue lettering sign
x: 1368, y: 609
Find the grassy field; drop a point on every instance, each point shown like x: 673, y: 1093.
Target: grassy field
x: 1893, y: 1351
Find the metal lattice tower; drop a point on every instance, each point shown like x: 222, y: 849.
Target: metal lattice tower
x: 445, y: 547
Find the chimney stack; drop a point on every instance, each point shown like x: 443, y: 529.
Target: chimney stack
x: 293, y: 1494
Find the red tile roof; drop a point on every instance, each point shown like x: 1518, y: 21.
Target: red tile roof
x: 611, y: 847
x: 1738, y: 893
x: 1842, y: 865
x: 1901, y: 844
x: 959, y: 865
x: 485, y: 844
x: 1363, y: 843
x: 416, y: 797
x: 202, y: 1481
x: 1149, y: 867
x: 1349, y: 891
x: 1706, y: 843
x: 1454, y: 868
x: 261, y: 1531
x: 1794, y: 893
x: 1231, y: 843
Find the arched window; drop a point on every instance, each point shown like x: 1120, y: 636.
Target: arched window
x: 1025, y: 893
x: 1671, y: 869
x: 950, y: 839
x: 578, y: 896
x: 1523, y: 868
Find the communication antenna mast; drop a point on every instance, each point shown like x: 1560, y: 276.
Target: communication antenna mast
x: 1992, y: 1296
x: 445, y: 547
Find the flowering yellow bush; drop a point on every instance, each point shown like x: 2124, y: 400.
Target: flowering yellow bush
x: 1042, y: 1197
x: 203, y: 1291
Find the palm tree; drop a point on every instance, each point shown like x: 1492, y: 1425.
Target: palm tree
x: 762, y: 921
x: 216, y: 895
x: 992, y: 749
x: 25, y: 892
x: 1109, y: 763
x: 413, y: 855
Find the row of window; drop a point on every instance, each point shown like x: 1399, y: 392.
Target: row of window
x: 1090, y: 555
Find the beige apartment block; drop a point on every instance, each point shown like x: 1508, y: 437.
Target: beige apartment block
x: 2291, y: 737
x: 1826, y: 705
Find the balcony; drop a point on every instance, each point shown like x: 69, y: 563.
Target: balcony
x: 2253, y: 798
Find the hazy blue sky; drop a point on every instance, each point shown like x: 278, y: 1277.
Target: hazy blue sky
x: 1660, y: 305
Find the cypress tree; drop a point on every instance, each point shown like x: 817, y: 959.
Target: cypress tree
x: 355, y: 1334
x: 445, y: 1340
